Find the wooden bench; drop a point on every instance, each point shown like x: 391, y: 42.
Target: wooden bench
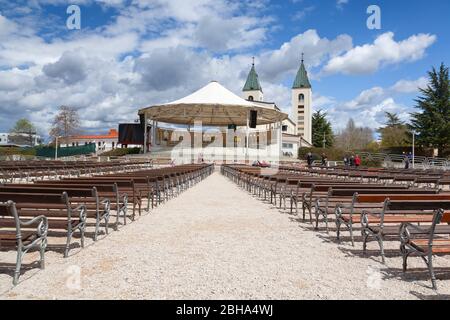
x: 60, y: 212
x: 23, y: 241
x: 373, y: 211
x: 430, y: 243
x: 98, y: 203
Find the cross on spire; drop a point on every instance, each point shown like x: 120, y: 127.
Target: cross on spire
x: 303, y: 56
x: 253, y: 61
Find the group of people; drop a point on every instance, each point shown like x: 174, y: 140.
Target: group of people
x: 310, y: 159
x: 352, y: 161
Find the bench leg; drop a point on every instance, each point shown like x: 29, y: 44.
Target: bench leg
x: 82, y: 230
x: 20, y: 254
x: 42, y: 248
x: 381, y: 244
x: 429, y: 263
x: 69, y: 238
x: 338, y: 229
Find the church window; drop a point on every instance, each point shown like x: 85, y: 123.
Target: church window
x: 301, y: 97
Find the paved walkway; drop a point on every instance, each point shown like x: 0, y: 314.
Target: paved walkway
x: 215, y: 241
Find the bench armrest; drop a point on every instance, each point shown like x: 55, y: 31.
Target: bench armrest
x: 42, y: 227
x: 365, y: 217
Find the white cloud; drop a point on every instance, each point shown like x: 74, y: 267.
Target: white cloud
x: 410, y: 86
x: 158, y: 51
x: 385, y: 50
x: 285, y: 60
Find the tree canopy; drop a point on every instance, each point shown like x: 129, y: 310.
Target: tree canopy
x: 353, y: 137
x: 395, y: 133
x: 66, y: 122
x: 321, y: 128
x: 432, y: 122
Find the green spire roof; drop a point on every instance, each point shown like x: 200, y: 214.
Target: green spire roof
x: 252, y: 82
x: 301, y: 80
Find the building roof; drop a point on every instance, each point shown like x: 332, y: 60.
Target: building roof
x: 301, y: 80
x: 214, y: 105
x: 252, y: 82
x: 112, y: 134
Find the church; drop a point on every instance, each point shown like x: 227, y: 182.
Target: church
x: 297, y: 129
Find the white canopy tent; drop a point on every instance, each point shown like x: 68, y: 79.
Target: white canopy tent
x: 212, y: 105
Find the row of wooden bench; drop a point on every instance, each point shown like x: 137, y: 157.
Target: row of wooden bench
x: 416, y: 216
x: 429, y: 178
x: 28, y: 212
x: 25, y: 171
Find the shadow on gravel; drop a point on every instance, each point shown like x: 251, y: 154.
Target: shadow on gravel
x: 372, y: 254
x: 417, y: 274
x: 437, y: 296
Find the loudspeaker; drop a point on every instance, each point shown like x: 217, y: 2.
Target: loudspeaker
x: 142, y: 121
x: 253, y: 117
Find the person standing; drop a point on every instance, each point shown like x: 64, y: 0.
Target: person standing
x: 324, y: 159
x: 346, y: 161
x: 357, y: 161
x: 309, y: 159
x: 352, y: 161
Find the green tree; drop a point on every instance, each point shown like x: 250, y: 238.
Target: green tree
x: 395, y: 133
x: 321, y: 127
x: 432, y: 123
x: 24, y: 128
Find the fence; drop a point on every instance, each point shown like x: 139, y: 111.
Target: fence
x: 49, y: 152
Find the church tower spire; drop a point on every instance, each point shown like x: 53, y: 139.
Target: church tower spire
x: 252, y: 89
x: 302, y: 103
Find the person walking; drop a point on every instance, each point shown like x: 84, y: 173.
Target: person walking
x: 309, y: 159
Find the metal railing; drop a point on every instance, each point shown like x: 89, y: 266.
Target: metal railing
x: 398, y: 160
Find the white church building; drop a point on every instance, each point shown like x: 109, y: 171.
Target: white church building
x: 297, y: 129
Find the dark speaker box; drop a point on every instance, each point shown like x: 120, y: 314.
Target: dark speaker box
x: 253, y: 117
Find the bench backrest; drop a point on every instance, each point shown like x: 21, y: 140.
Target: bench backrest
x: 374, y: 198
x: 418, y: 204
x: 351, y: 192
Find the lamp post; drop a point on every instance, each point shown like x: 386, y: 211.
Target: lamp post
x: 56, y: 147
x: 413, y: 147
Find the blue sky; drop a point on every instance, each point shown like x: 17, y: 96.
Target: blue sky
x: 130, y: 54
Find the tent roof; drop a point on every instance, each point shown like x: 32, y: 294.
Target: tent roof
x: 214, y: 105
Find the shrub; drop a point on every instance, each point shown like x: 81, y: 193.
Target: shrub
x: 9, y: 151
x: 119, y: 152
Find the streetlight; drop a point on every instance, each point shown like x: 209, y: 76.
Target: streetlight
x: 413, y: 147
x: 56, y: 147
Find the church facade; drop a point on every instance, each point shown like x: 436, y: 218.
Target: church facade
x: 297, y: 129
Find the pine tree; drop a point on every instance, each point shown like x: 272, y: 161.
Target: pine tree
x: 320, y: 127
x: 395, y: 133
x: 432, y: 124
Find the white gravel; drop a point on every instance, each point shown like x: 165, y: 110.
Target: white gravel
x: 216, y: 241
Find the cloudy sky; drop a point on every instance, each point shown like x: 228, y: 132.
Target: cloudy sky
x: 130, y: 54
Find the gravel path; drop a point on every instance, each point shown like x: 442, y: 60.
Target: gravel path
x: 216, y: 241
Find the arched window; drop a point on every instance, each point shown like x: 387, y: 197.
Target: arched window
x: 301, y: 97
x: 250, y: 98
